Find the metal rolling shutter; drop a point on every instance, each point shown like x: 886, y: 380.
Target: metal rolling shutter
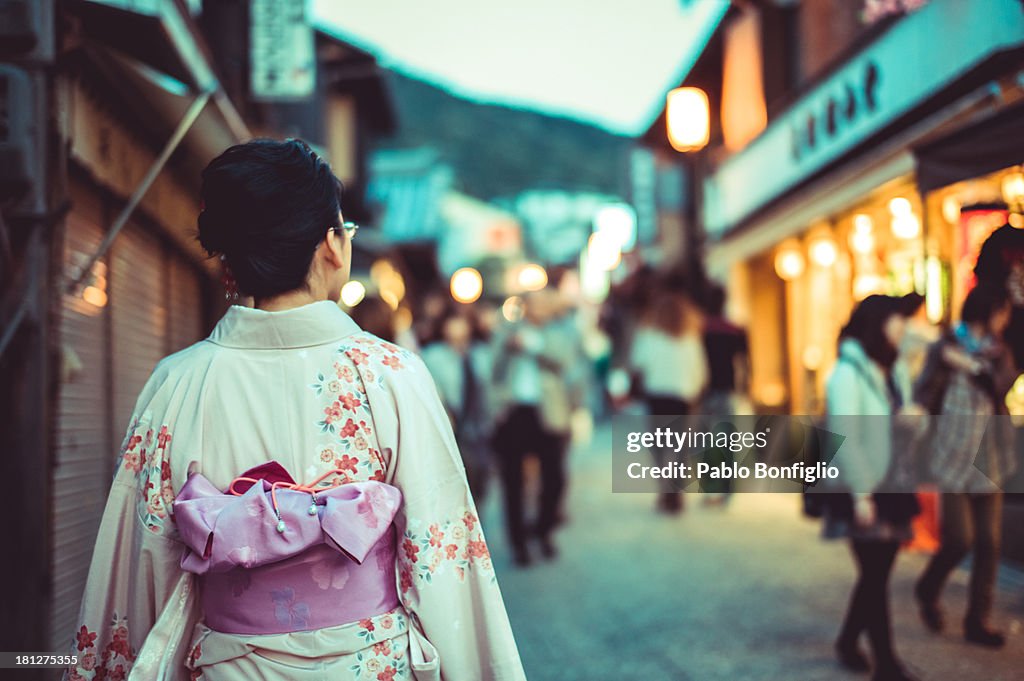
x: 83, y: 454
x: 153, y: 306
x: 185, y: 325
x: 139, y: 316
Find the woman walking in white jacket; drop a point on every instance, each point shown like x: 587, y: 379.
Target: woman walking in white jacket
x: 866, y: 388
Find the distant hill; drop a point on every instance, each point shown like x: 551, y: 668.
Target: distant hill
x: 498, y: 151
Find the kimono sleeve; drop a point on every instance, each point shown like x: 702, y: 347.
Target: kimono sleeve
x: 446, y: 579
x: 135, y: 561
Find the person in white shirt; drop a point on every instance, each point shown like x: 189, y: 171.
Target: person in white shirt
x: 669, y: 361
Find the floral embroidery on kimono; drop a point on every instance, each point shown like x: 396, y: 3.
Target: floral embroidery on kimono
x: 115, y: 659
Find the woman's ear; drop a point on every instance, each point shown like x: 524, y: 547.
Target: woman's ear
x: 335, y: 248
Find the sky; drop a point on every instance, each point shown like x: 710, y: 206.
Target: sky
x: 607, y: 62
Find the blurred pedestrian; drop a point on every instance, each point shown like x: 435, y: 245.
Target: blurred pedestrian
x: 918, y: 336
x: 374, y: 315
x: 868, y: 381
x: 965, y: 381
x: 429, y: 316
x: 726, y: 347
x: 284, y: 483
x: 530, y: 366
x: 618, y: 319
x: 1001, y: 263
x: 460, y: 364
x: 671, y: 368
x: 564, y: 391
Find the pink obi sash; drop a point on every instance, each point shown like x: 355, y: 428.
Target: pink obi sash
x: 275, y: 559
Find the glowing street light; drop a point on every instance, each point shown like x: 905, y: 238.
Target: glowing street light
x: 603, y: 252
x: 390, y: 284
x: 466, y: 285
x: 688, y: 119
x: 532, y: 277
x: 353, y: 292
x: 594, y: 280
x: 512, y: 309
x: 619, y: 220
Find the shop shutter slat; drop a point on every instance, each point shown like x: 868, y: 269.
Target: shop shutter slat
x: 139, y: 317
x: 186, y: 315
x: 83, y: 451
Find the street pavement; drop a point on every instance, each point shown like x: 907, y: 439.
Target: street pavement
x: 748, y: 592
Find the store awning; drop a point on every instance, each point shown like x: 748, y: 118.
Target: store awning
x: 979, y: 149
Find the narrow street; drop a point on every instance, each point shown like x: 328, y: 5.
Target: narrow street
x: 744, y: 593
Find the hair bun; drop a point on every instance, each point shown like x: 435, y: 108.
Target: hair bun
x: 215, y: 234
x: 266, y: 206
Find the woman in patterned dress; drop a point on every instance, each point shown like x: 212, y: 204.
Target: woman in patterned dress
x: 289, y: 502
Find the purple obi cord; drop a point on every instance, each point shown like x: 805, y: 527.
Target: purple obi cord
x: 278, y: 558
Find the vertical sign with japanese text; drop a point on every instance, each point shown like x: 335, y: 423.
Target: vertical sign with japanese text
x: 282, y: 60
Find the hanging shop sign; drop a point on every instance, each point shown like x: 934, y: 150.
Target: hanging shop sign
x: 281, y: 54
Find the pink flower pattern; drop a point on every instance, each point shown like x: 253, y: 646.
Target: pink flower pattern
x: 386, y: 653
x: 145, y: 455
x: 113, y: 661
x: 427, y: 548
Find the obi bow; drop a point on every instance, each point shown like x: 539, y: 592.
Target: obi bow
x: 275, y: 518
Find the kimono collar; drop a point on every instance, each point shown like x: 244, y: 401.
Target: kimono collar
x: 306, y: 326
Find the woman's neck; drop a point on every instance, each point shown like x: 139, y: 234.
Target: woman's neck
x: 287, y: 301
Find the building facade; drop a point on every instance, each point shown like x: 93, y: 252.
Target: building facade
x: 857, y: 148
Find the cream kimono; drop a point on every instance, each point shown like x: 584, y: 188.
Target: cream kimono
x: 308, y: 389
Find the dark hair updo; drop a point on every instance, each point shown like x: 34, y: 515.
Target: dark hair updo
x: 867, y: 326
x: 267, y: 204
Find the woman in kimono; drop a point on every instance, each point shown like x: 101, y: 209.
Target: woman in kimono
x: 289, y: 502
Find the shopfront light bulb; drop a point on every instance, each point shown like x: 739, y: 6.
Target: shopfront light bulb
x: 789, y: 261
x: 862, y: 242
x: 951, y: 209
x: 900, y: 206
x: 1013, y: 188
x: 823, y: 252
x: 532, y: 277
x: 906, y: 226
